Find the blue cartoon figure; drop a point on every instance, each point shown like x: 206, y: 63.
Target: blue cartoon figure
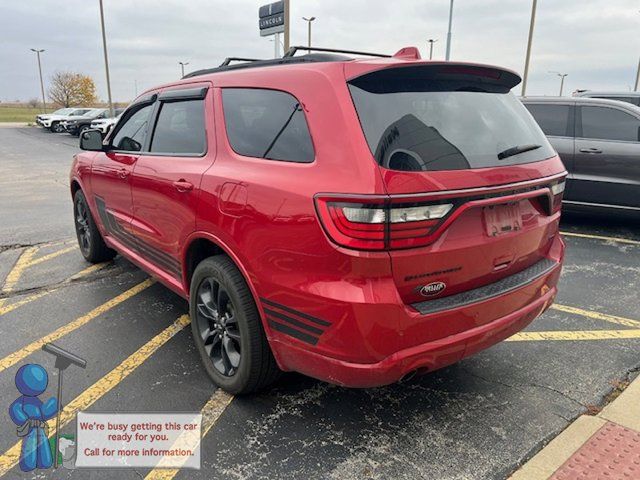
x: 30, y: 414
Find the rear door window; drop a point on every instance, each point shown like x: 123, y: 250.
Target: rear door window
x: 180, y: 128
x: 553, y: 119
x: 267, y: 124
x: 604, y: 123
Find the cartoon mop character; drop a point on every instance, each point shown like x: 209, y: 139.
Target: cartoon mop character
x: 30, y: 414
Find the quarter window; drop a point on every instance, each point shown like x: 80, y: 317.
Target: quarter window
x: 131, y: 136
x: 603, y: 123
x: 267, y: 124
x: 553, y: 119
x: 180, y: 128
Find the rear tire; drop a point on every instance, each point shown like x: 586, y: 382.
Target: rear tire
x: 227, y: 329
x: 90, y: 240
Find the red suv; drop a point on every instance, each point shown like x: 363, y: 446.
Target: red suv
x: 355, y: 220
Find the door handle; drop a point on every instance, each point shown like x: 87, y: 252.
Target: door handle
x: 183, y: 186
x: 123, y: 173
x: 590, y: 150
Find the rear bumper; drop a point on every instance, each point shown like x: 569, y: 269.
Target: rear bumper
x: 426, y: 357
x: 361, y: 351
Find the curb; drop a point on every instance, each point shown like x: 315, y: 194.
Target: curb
x: 623, y: 411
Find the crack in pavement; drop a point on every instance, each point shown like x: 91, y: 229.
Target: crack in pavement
x: 17, y: 246
x: 105, y: 272
x: 520, y: 387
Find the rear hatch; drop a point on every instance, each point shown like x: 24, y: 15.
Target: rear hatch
x: 473, y: 185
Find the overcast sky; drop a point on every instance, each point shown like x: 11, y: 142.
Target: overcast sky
x: 597, y: 42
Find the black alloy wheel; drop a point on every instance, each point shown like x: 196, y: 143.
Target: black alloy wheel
x: 227, y: 328
x: 90, y: 240
x: 83, y: 231
x: 218, y: 326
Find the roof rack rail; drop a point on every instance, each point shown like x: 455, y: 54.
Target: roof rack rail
x: 292, y: 51
x: 228, y: 60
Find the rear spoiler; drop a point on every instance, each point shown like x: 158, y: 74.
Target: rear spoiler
x: 435, y: 76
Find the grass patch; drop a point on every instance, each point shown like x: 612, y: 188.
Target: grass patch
x: 12, y: 113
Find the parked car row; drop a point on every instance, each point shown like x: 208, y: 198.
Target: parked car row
x: 598, y: 141
x: 76, y: 120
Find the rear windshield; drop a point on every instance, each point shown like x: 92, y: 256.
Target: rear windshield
x: 422, y: 122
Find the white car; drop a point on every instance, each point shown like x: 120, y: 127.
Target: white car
x: 106, y: 124
x: 52, y: 120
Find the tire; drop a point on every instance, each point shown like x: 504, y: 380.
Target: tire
x: 82, y: 129
x: 56, y: 127
x: 90, y: 240
x: 249, y: 364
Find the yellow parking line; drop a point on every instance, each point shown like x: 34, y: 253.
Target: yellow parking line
x: 100, y: 388
x: 49, y: 256
x: 602, y: 237
x: 24, y: 352
x: 597, y: 315
x: 210, y: 414
x: 83, y: 273
x: 16, y: 272
x: 575, y: 335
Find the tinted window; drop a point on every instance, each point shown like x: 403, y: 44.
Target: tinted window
x: 552, y: 119
x: 437, y: 125
x: 266, y: 124
x: 180, y: 128
x: 133, y: 132
x: 609, y: 124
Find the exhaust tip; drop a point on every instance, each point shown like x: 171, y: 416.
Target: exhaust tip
x: 406, y: 378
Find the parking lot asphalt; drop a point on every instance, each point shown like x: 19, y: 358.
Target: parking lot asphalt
x: 481, y: 418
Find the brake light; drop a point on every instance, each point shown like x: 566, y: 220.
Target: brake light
x: 376, y: 224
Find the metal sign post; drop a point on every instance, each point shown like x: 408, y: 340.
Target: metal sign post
x: 272, y: 21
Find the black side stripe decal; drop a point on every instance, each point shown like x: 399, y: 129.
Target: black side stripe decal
x: 293, y: 321
x: 280, y: 327
x: 315, y: 320
x: 162, y: 259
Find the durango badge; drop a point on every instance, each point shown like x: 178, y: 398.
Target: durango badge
x: 432, y: 289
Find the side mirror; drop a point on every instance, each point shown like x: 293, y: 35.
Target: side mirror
x: 91, y: 140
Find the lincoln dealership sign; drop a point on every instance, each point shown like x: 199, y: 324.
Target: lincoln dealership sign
x: 271, y: 18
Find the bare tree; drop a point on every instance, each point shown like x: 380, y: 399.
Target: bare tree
x: 70, y: 89
x: 33, y: 102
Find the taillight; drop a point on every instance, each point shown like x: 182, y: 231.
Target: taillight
x: 378, y: 224
x: 557, y: 191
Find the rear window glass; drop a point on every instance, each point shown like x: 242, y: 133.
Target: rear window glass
x: 266, y: 124
x: 553, y: 119
x: 429, y: 123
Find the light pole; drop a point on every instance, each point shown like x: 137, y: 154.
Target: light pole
x: 44, y: 102
x: 106, y: 59
x: 182, y: 64
x: 309, y: 20
x: 449, y: 31
x: 561, y: 75
x: 637, y: 76
x: 431, y: 42
x: 528, y: 57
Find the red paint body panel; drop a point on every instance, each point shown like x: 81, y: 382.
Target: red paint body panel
x: 262, y: 214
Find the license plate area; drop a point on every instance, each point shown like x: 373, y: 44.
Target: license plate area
x: 501, y: 219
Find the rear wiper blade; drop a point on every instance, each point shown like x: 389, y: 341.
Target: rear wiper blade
x: 510, y: 152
